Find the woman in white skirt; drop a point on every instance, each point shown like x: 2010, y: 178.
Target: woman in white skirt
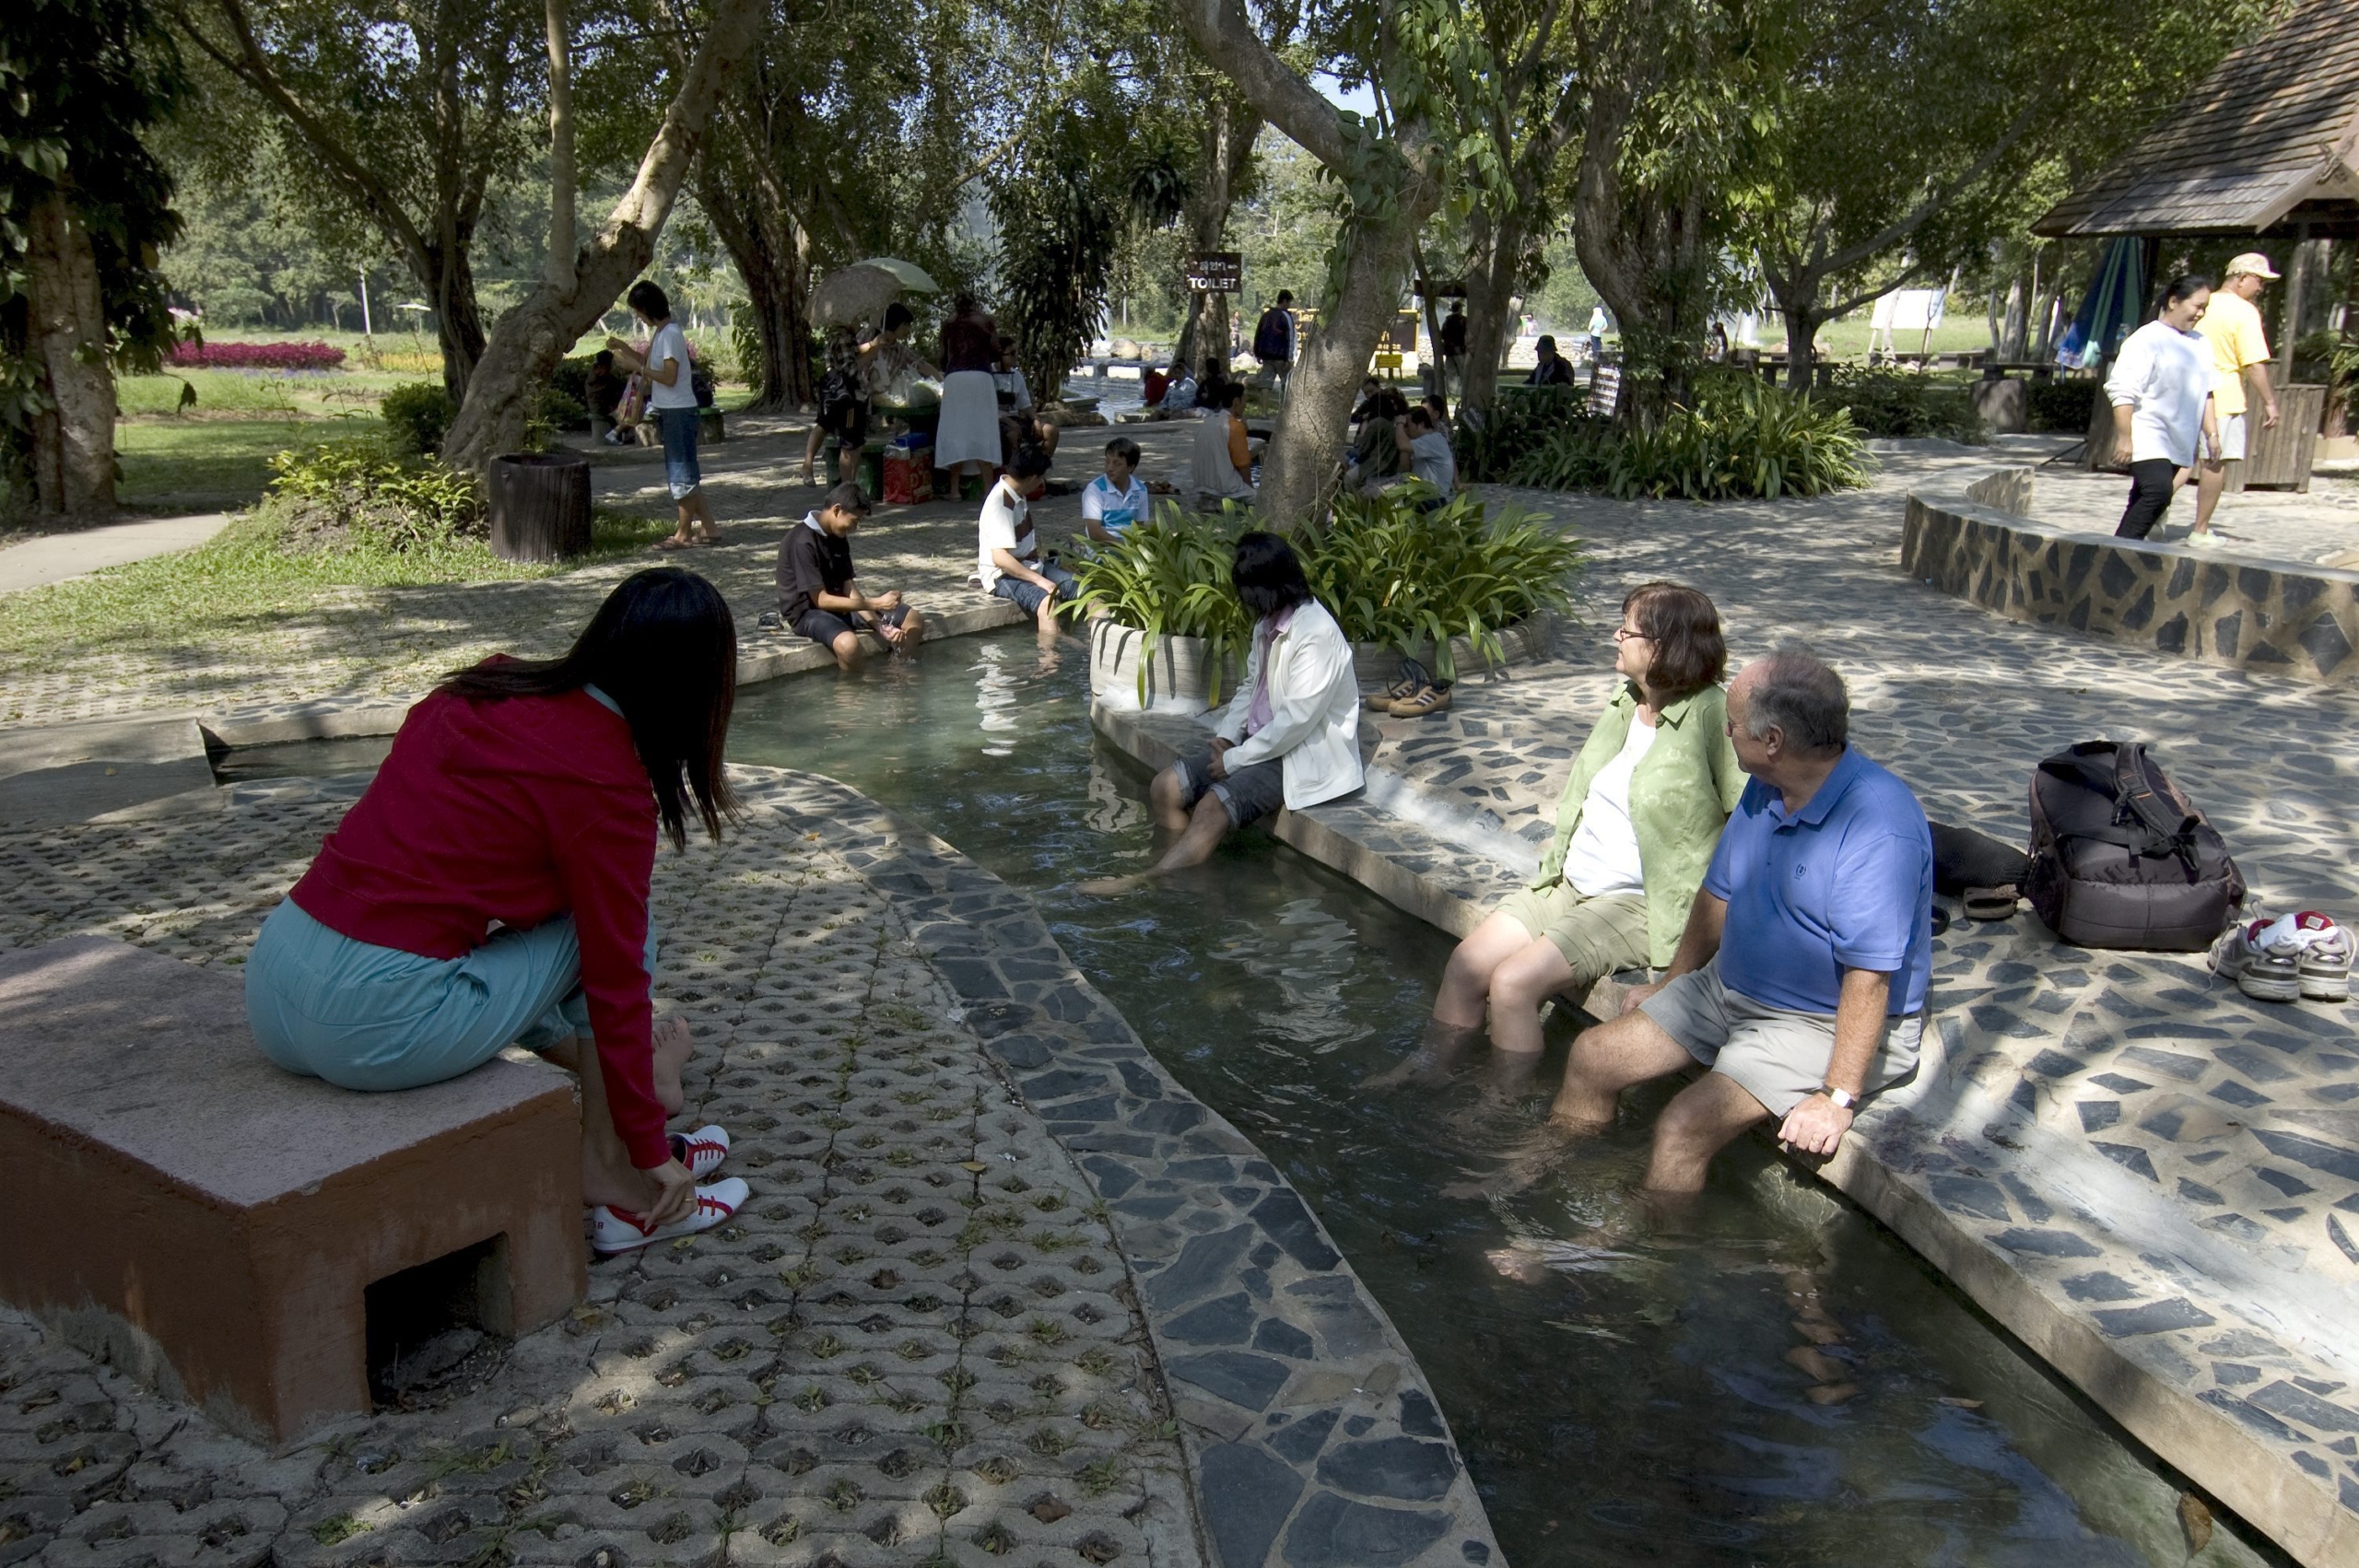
x: 967, y: 440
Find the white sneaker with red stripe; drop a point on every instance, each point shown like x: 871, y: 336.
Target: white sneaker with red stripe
x: 702, y: 1151
x: 615, y: 1229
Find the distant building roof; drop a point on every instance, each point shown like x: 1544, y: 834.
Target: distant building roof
x: 2266, y: 142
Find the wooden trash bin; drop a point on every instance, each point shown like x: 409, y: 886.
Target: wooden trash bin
x: 540, y: 506
x: 2280, y: 459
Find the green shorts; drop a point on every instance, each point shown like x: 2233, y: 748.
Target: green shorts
x: 1597, y: 936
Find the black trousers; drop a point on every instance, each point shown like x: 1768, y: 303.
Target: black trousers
x: 2150, y: 496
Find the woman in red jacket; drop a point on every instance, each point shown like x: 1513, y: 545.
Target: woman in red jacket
x: 492, y: 887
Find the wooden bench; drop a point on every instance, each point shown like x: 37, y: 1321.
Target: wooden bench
x: 235, y: 1236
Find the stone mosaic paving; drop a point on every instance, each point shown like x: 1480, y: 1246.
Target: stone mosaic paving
x: 942, y: 1332
x: 396, y: 642
x: 2313, y: 527
x: 2151, y: 1178
x: 2227, y: 606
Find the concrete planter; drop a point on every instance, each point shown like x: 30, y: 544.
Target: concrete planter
x: 1377, y: 664
x: 1177, y: 670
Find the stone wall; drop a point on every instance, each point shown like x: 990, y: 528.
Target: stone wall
x: 2265, y: 618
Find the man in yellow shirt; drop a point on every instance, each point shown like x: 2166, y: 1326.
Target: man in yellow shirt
x: 2232, y: 326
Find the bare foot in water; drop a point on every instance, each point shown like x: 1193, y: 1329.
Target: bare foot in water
x: 673, y: 1048
x: 1421, y: 1068
x: 1526, y: 1164
x: 1110, y: 886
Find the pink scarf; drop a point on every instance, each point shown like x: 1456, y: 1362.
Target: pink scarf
x: 1257, y: 712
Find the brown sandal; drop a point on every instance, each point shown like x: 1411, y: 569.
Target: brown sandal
x: 1430, y: 699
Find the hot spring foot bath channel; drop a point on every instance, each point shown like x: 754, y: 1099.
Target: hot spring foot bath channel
x: 1768, y: 1378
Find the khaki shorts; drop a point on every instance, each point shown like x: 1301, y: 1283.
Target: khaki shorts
x: 1597, y: 936
x: 1774, y: 1054
x: 2232, y: 437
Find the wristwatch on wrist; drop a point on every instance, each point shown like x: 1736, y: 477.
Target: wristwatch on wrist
x: 1843, y: 1099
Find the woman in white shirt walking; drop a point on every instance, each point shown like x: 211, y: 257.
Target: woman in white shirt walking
x: 672, y: 404
x: 2163, y: 418
x: 1635, y: 829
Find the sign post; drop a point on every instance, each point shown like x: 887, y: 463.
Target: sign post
x: 1215, y: 272
x: 1399, y: 337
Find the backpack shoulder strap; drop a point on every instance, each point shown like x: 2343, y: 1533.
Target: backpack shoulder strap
x: 2136, y: 793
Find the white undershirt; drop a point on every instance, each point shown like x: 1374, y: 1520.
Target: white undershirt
x: 1603, y: 856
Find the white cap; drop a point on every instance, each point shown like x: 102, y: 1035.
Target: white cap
x: 2251, y: 262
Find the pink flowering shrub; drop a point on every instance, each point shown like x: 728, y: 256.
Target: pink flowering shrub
x: 256, y: 355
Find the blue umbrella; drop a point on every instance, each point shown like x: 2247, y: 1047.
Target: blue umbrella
x: 2113, y: 307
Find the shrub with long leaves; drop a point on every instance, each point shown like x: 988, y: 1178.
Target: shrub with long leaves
x: 360, y: 484
x: 1167, y: 576
x: 1400, y: 572
x: 1521, y: 420
x: 1741, y: 440
x: 1391, y: 571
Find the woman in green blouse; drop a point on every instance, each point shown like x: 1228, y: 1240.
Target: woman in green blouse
x: 1635, y: 829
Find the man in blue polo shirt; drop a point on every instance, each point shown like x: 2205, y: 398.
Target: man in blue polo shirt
x: 1801, y: 981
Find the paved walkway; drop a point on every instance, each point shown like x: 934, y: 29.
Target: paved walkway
x: 2151, y: 1178
x: 1005, y: 1292
x: 56, y: 557
x: 2319, y: 528
x: 396, y: 642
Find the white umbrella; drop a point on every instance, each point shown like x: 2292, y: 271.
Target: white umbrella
x: 913, y: 277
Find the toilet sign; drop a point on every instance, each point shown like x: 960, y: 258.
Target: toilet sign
x: 1215, y: 272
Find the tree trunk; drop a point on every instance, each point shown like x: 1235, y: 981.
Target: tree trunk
x: 73, y: 440
x: 1225, y: 143
x: 1299, y: 466
x: 2012, y: 329
x: 532, y: 336
x: 766, y: 247
x: 449, y: 278
x: 1648, y: 253
x: 1798, y: 305
x: 1495, y: 264
x: 562, y: 237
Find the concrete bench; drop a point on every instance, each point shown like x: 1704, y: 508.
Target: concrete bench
x: 242, y: 1238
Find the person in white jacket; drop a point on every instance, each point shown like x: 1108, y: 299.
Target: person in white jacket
x: 1290, y: 737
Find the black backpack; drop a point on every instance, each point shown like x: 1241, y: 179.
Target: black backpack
x: 2121, y: 859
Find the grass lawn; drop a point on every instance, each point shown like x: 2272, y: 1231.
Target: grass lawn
x: 244, y: 580
x: 204, y: 464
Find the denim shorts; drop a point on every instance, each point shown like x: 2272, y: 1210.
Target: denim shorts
x: 362, y: 1016
x: 1027, y: 595
x: 680, y: 470
x: 1250, y: 794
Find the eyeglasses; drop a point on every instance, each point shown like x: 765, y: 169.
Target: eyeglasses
x: 1624, y: 634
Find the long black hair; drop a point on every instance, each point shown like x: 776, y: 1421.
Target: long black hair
x: 1266, y: 575
x: 664, y: 648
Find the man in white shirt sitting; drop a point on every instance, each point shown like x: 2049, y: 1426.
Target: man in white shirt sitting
x: 1178, y: 394
x: 1118, y: 497
x: 1430, y: 457
x: 1007, y: 551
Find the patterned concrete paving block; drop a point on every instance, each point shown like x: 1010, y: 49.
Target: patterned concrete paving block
x: 2146, y: 1174
x: 808, y: 1380
x: 360, y: 650
x: 1247, y: 1300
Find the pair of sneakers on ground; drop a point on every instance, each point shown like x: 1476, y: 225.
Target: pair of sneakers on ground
x: 2294, y: 956
x: 615, y: 1229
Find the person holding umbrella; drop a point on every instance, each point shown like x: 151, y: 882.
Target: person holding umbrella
x: 2162, y: 414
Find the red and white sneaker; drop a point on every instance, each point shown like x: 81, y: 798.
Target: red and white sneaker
x: 2325, y: 955
x: 702, y: 1151
x: 615, y: 1229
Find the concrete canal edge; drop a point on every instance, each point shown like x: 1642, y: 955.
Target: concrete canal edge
x: 1312, y: 1438
x: 1963, y: 1166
